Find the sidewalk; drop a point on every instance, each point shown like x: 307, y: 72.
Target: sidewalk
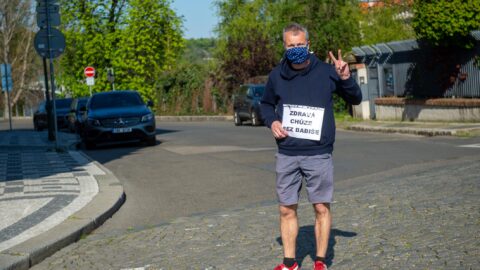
x: 49, y: 199
x: 417, y: 128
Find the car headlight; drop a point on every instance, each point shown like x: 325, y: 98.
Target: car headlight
x: 94, y: 122
x: 147, y: 117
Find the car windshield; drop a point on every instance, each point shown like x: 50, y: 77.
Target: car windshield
x: 63, y: 103
x: 258, y: 91
x: 117, y: 99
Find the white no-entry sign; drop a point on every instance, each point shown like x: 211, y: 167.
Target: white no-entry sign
x: 89, y: 72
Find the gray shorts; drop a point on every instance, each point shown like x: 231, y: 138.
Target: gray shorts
x: 317, y: 172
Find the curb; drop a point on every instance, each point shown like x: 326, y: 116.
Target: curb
x: 405, y: 130
x: 195, y: 118
x: 109, y: 199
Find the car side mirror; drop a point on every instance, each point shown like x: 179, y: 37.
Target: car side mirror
x: 150, y: 103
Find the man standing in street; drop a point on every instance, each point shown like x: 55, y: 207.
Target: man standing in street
x: 298, y: 108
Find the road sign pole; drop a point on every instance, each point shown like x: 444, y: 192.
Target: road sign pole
x: 50, y: 120
x: 111, y: 77
x: 90, y: 88
x: 52, y: 78
x: 113, y: 80
x: 7, y: 87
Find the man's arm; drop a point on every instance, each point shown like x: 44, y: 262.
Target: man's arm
x: 347, y: 88
x: 268, y: 104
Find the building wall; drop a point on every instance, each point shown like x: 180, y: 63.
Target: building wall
x: 362, y: 110
x: 415, y: 112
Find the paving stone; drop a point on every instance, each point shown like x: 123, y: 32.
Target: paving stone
x: 426, y: 220
x: 31, y: 174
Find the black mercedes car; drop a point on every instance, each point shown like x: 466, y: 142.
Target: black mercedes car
x: 117, y: 116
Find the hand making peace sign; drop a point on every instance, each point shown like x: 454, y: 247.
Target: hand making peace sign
x: 341, y: 66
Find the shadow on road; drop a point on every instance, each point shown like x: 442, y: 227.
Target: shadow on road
x: 306, y: 243
x: 27, y: 156
x: 117, y: 150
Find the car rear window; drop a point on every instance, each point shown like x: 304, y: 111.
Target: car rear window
x: 82, y: 102
x: 117, y: 99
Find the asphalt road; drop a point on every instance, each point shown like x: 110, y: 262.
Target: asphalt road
x: 208, y: 166
x: 203, y: 167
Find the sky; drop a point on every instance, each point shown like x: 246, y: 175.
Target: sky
x: 199, y: 17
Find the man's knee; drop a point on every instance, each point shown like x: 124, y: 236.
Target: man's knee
x: 288, y: 211
x: 322, y: 209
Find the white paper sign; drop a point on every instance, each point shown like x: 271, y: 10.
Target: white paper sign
x: 303, y: 122
x: 90, y: 81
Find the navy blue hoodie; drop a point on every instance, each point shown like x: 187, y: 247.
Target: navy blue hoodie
x: 312, y: 86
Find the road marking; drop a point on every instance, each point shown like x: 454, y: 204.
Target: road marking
x: 477, y: 145
x: 148, y: 266
x: 193, y: 150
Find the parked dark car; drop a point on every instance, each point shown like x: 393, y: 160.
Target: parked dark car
x: 117, y: 116
x: 246, y: 105
x: 40, y: 117
x: 74, y: 117
x: 62, y: 108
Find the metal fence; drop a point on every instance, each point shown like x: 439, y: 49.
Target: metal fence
x: 412, y: 68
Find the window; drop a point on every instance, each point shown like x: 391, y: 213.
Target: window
x: 117, y: 99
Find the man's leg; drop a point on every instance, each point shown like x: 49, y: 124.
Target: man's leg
x: 323, y: 222
x: 288, y: 229
x: 288, y: 185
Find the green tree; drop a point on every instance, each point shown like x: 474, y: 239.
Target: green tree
x: 198, y: 50
x: 332, y: 24
x: 385, y: 23
x: 251, y: 41
x: 138, y: 39
x: 92, y: 30
x: 149, y: 44
x: 446, y: 22
x: 182, y: 89
x: 245, y: 48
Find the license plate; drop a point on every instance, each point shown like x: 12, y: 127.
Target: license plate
x: 122, y: 130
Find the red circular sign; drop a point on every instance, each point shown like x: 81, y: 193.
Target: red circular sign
x: 89, y: 72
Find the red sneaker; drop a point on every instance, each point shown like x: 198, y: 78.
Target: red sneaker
x: 319, y: 266
x: 283, y: 267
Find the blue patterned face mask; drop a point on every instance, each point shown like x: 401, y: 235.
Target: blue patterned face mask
x: 297, y: 55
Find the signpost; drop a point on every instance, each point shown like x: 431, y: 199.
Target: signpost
x: 90, y: 74
x: 7, y: 85
x: 49, y: 43
x: 111, y: 77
